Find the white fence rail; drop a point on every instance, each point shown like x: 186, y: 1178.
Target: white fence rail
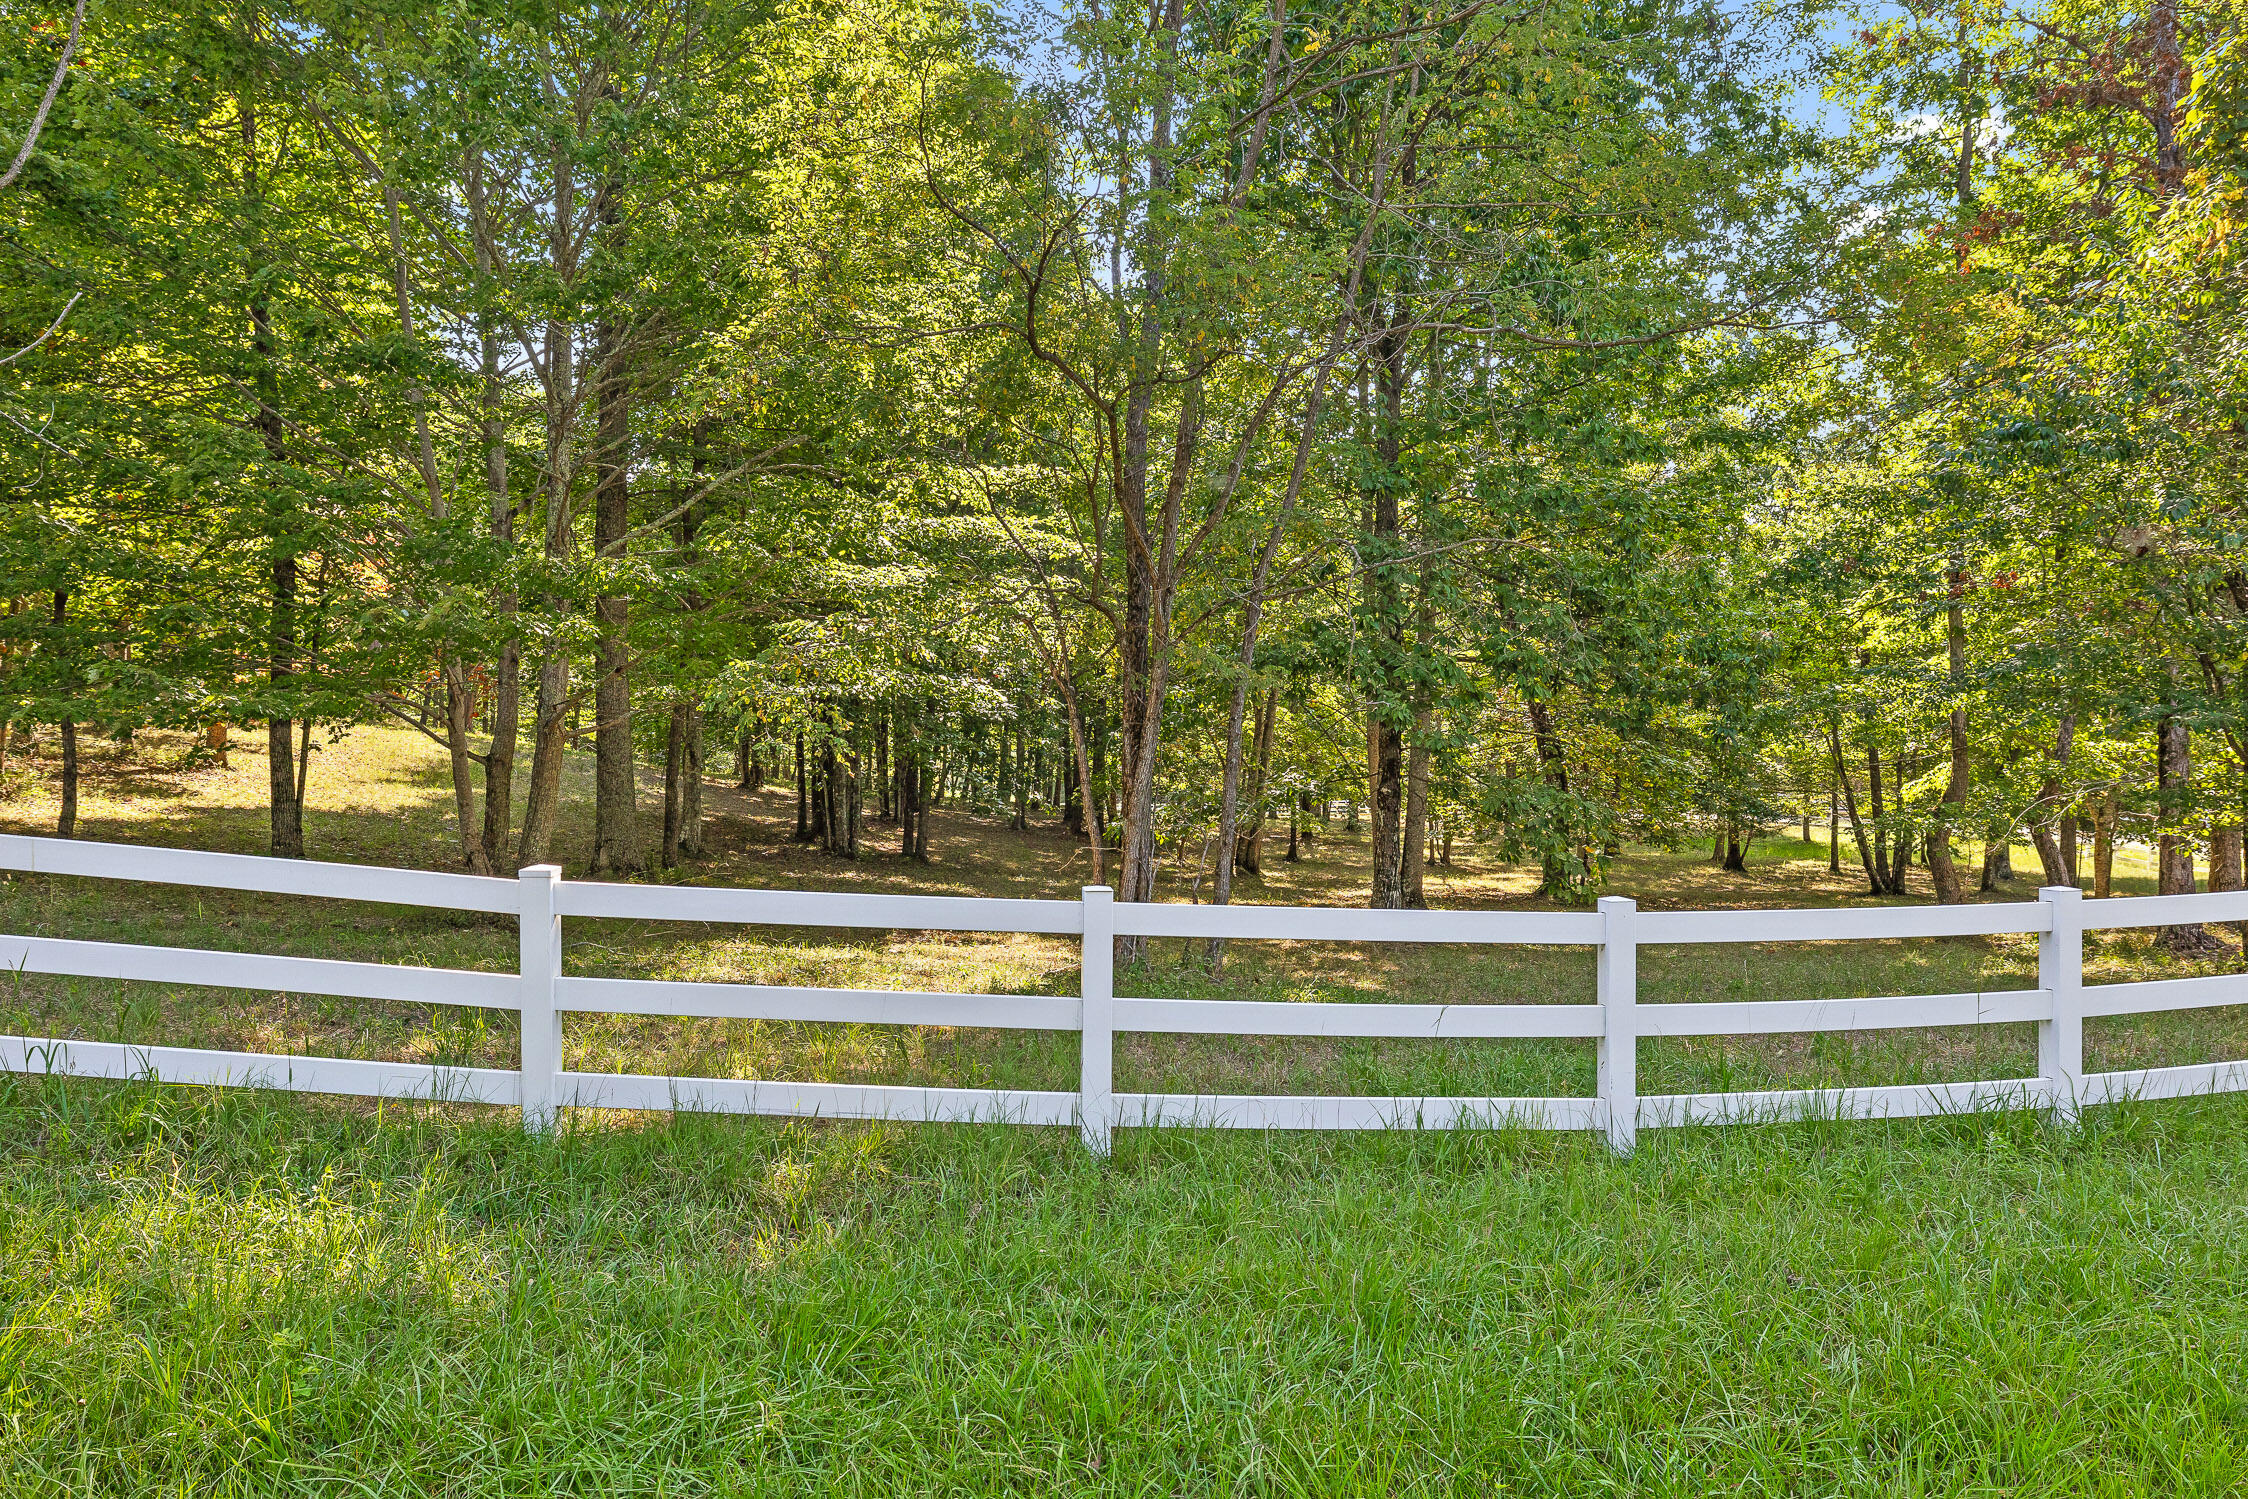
x: 542, y: 992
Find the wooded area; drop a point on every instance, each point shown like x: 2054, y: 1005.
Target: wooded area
x: 1558, y: 426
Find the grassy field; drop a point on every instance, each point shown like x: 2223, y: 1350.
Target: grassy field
x: 381, y: 797
x: 223, y: 1292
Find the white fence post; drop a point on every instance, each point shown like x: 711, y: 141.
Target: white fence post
x: 1619, y: 1013
x: 1096, y: 1083
x: 2060, y: 973
x: 539, y: 961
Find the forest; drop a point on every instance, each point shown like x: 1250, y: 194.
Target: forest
x: 1558, y: 426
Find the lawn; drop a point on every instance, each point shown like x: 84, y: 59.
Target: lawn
x: 208, y: 1292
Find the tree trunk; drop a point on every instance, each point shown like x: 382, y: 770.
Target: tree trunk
x: 280, y: 733
x: 2174, y: 855
x: 691, y: 793
x: 1834, y: 820
x: 912, y: 813
x: 550, y: 740
x: 2048, y: 849
x: 499, y: 760
x: 688, y: 841
x: 1385, y: 805
x: 900, y: 767
x: 1412, y: 878
x: 460, y: 706
x: 1077, y: 792
x: 1951, y: 890
x: 507, y: 672
x: 2059, y: 867
x: 2225, y: 858
x: 1237, y: 849
x: 285, y: 817
x: 1143, y: 669
x: 1413, y: 873
x: 2103, y: 846
x: 1249, y: 845
x: 2166, y: 100
x: 897, y: 770
x: 1383, y: 601
x: 674, y: 794
x: 1151, y: 542
x: 66, y: 822
x: 1083, y: 795
x: 1881, y: 878
x: 1003, y: 768
x: 2173, y: 769
x: 827, y: 799
x: 1019, y: 813
x: 616, y: 835
x: 1552, y: 764
x: 885, y: 775
x: 917, y: 807
x: 559, y: 392
x: 803, y: 796
x: 2226, y: 871
x: 1900, y: 853
x: 853, y: 803
x: 824, y: 799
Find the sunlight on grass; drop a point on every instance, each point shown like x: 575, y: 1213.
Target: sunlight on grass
x: 209, y: 1292
x: 380, y: 794
x: 224, y: 1291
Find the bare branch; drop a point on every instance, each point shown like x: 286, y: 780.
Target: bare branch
x: 51, y: 327
x: 47, y: 101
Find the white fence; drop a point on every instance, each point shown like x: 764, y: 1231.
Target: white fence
x: 542, y: 992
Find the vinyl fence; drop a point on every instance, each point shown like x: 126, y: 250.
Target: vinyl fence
x: 542, y: 992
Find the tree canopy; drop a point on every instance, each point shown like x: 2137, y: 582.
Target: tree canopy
x: 1553, y: 427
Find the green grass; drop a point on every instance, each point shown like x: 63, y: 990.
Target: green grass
x: 211, y: 1292
x: 380, y: 796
